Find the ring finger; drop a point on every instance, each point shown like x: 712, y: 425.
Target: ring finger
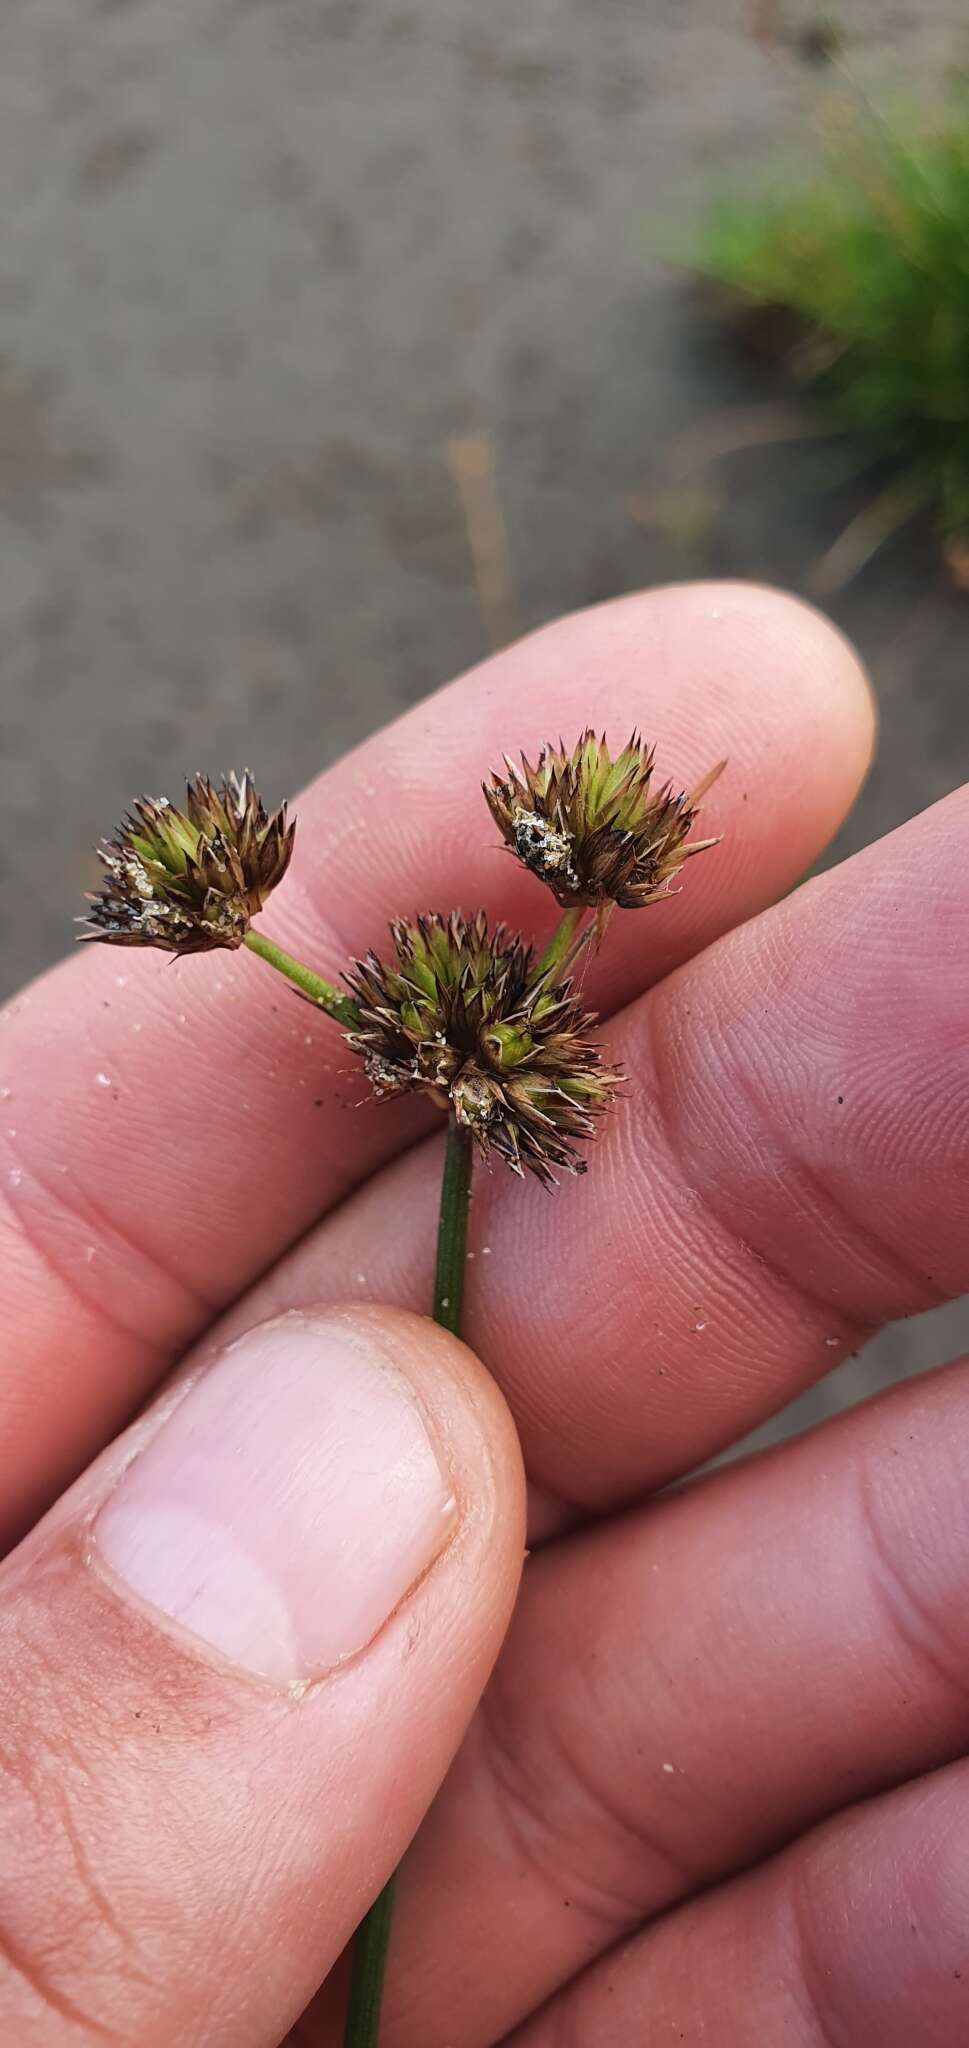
x: 682, y: 1692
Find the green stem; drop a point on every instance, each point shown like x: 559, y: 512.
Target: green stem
x: 320, y: 992
x: 367, y: 1977
x: 452, y: 1228
x: 558, y: 944
x: 564, y: 946
x: 362, y: 2025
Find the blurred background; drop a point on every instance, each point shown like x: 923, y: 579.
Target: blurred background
x: 341, y: 340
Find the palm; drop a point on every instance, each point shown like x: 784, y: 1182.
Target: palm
x: 691, y: 1686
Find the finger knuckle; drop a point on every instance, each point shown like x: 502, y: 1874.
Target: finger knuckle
x: 62, y: 1941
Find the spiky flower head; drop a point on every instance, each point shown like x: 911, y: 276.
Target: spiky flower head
x: 593, y: 828
x: 191, y: 880
x: 463, y: 1015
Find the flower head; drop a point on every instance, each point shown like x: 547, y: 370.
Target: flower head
x: 462, y: 1014
x: 593, y: 828
x: 191, y: 880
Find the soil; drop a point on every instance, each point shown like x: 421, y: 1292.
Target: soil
x: 263, y: 259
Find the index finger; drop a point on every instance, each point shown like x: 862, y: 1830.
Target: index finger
x: 169, y: 1128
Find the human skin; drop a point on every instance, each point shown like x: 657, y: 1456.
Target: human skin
x: 708, y: 1785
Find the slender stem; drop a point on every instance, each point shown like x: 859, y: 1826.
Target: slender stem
x: 564, y: 946
x: 452, y: 1228
x: 362, y: 2026
x: 558, y: 944
x: 320, y: 992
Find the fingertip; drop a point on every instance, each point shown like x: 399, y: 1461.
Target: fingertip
x: 713, y: 669
x: 263, y: 1619
x: 470, y: 1421
x: 784, y: 647
x: 786, y: 693
x: 762, y: 678
x: 355, y: 1446
x: 827, y: 669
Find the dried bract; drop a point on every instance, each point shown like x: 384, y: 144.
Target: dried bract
x: 462, y: 1014
x: 191, y: 880
x: 593, y: 828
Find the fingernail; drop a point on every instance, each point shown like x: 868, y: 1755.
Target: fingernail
x: 289, y: 1502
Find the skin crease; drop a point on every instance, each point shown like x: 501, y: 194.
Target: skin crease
x: 806, y: 1951
x: 691, y: 1684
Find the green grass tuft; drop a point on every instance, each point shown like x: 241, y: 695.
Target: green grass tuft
x: 868, y: 269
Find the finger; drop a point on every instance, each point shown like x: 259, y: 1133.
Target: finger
x: 858, y: 1934
x: 683, y: 1692
x: 788, y: 1171
x: 235, y: 1663
x: 138, y: 1093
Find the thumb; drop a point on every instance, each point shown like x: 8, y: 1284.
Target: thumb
x: 235, y: 1663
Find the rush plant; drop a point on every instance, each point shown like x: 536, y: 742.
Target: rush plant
x: 460, y: 1011
x: 858, y: 278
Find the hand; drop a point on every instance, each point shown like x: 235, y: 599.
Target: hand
x: 713, y: 1791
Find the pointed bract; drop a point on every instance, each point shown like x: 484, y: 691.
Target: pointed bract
x: 593, y: 828
x: 190, y: 881
x: 462, y: 1014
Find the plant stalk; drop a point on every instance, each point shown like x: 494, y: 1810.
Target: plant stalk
x: 320, y: 992
x: 371, y: 1940
x: 452, y: 1228
x: 564, y: 946
x: 362, y: 2027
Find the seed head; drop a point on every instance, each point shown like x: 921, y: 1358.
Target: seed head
x: 593, y: 828
x: 191, y: 880
x: 462, y: 1015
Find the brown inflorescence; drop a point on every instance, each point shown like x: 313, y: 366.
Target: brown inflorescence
x: 190, y: 881
x: 594, y: 829
x: 462, y: 1014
